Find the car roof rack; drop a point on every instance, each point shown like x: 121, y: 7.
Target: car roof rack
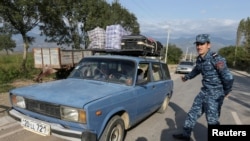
x: 127, y: 52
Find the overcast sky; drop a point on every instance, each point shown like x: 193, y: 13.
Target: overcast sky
x: 186, y: 18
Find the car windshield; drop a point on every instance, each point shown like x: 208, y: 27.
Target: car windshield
x: 108, y: 70
x: 187, y: 63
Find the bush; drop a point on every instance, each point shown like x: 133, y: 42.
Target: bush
x: 9, y: 74
x: 10, y: 70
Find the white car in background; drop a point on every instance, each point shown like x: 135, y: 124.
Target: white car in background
x: 185, y: 67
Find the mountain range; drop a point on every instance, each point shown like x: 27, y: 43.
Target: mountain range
x: 186, y: 44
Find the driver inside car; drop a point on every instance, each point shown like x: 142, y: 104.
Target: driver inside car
x: 125, y: 75
x: 102, y: 73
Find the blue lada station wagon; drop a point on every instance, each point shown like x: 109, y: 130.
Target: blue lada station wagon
x: 102, y: 97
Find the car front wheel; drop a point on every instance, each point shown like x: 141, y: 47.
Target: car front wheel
x: 114, y: 131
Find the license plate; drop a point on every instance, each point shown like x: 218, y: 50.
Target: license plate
x: 39, y: 128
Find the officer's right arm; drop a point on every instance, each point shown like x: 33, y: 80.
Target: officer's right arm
x: 192, y: 74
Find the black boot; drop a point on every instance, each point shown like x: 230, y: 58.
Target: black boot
x: 181, y: 137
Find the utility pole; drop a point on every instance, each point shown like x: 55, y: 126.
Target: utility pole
x: 166, y: 55
x: 186, y: 53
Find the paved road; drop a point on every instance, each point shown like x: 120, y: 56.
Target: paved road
x: 160, y: 127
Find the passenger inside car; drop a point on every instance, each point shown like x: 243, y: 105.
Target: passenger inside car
x: 139, y: 75
x: 127, y: 73
x: 156, y: 72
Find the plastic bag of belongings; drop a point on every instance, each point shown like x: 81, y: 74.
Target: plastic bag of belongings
x: 97, y: 38
x: 114, y: 35
x: 106, y: 39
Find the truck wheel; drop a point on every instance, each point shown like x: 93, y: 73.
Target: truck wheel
x: 164, y: 105
x: 114, y: 130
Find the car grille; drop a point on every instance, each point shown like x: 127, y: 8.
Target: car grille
x: 43, y: 108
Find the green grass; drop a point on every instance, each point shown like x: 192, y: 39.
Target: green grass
x: 10, y: 70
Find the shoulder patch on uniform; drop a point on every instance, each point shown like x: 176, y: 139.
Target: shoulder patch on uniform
x: 220, y: 65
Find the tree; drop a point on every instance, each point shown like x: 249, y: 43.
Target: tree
x: 23, y: 16
x: 61, y: 22
x: 243, y: 34
x: 67, y: 22
x: 174, y: 54
x: 122, y: 16
x: 241, y: 58
x: 228, y: 53
x: 243, y: 40
x: 6, y: 43
x: 239, y: 33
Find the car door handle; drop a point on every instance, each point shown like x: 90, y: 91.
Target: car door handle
x: 153, y: 86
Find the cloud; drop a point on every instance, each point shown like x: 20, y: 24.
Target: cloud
x: 224, y: 28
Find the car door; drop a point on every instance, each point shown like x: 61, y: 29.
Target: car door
x: 158, y: 84
x: 145, y: 93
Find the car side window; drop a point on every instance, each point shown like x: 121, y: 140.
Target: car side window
x: 142, y: 73
x: 166, y: 71
x: 157, y: 72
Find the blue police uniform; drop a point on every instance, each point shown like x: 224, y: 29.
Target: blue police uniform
x: 217, y: 82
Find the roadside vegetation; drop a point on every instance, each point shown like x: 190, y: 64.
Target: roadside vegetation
x: 10, y: 70
x: 237, y: 57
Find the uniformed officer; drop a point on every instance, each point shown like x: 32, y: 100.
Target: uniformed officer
x: 217, y: 82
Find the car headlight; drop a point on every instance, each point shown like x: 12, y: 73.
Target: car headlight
x: 73, y: 114
x: 18, y: 101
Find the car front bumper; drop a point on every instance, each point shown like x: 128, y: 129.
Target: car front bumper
x: 57, y: 129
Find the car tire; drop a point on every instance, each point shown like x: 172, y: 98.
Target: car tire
x: 114, y: 130
x: 164, y: 105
